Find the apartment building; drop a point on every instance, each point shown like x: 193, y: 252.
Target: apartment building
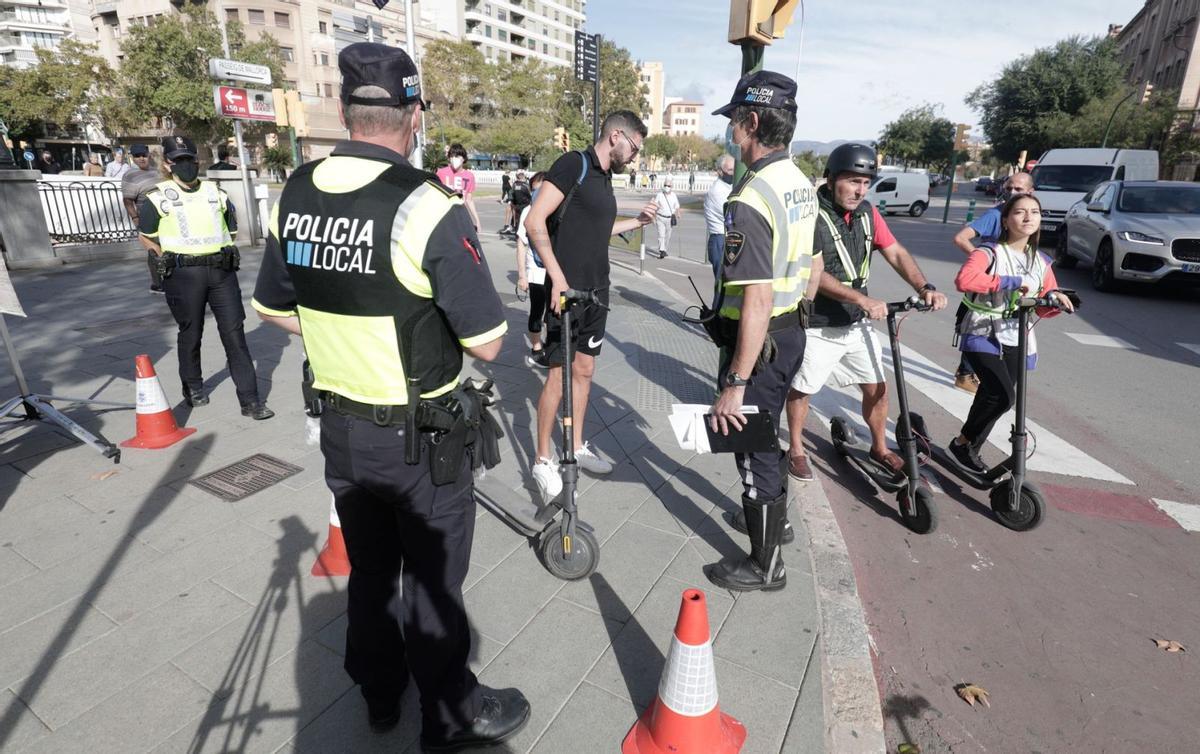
x: 541, y: 30
x: 682, y: 116
x: 651, y: 74
x: 27, y: 25
x: 310, y: 34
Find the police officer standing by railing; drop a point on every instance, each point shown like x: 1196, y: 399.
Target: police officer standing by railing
x: 190, y: 225
x: 378, y: 266
x: 767, y: 283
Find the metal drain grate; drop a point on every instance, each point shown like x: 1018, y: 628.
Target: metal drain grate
x: 246, y: 477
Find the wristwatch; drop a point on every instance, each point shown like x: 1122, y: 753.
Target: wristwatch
x: 927, y: 287
x: 732, y: 379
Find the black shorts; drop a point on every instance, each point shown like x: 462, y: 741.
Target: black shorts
x: 587, y: 326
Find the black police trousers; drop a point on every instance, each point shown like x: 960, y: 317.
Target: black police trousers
x: 402, y: 531
x: 189, y: 290
x: 764, y: 475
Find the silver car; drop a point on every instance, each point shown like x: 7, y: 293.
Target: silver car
x: 1143, y: 231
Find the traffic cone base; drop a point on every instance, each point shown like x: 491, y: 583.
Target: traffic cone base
x: 684, y: 717
x: 156, y: 427
x: 333, y: 560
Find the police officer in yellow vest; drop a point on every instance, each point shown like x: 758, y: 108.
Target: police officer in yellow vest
x: 768, y: 279
x: 191, y: 224
x: 379, y: 268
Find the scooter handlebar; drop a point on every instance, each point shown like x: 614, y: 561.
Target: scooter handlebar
x: 582, y: 296
x: 909, y: 304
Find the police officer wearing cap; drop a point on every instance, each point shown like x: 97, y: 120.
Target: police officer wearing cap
x: 767, y: 283
x: 378, y: 267
x: 190, y: 224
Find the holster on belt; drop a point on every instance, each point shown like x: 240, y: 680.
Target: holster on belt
x: 474, y: 429
x: 231, y: 258
x: 313, y: 405
x: 412, y: 443
x: 164, y: 264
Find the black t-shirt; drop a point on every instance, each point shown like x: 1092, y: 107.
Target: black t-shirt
x: 581, y: 240
x: 520, y: 194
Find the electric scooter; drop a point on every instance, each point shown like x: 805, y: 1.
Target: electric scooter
x: 565, y: 544
x: 913, y: 495
x: 1017, y: 502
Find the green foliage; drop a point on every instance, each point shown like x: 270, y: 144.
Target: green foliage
x: 660, y: 146
x: 165, y: 70
x: 277, y: 159
x: 810, y: 164
x: 1033, y: 103
x: 920, y: 135
x: 620, y: 86
x: 71, y: 85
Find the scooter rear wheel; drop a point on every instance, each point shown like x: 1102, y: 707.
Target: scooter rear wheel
x: 841, y: 434
x: 923, y: 518
x: 584, y: 557
x: 1031, y: 506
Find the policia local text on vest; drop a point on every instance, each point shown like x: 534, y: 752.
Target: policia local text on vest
x: 378, y: 267
x: 190, y: 224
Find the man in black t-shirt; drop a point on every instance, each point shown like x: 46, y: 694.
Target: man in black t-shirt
x: 576, y: 256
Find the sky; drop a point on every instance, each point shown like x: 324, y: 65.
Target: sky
x: 863, y: 62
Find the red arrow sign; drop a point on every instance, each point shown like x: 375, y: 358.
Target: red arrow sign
x: 247, y: 104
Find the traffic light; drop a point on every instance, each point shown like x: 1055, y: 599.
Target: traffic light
x: 295, y: 113
x: 562, y: 139
x: 1147, y: 92
x: 281, y: 107
x: 960, y: 136
x: 759, y: 21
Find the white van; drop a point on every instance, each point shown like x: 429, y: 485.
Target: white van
x: 903, y: 192
x: 1062, y: 176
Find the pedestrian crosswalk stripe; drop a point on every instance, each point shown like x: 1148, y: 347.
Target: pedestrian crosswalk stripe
x: 1193, y: 347
x: 1105, y: 341
x: 1054, y: 454
x: 1185, y: 514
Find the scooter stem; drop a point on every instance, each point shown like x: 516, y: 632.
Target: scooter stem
x: 904, y: 433
x: 1018, y: 431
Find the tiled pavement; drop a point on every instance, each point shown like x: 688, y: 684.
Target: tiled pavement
x: 138, y: 612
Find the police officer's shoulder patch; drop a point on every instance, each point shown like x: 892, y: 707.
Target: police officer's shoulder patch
x: 734, y: 241
x: 171, y: 194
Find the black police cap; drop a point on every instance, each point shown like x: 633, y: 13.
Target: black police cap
x: 375, y: 64
x: 178, y: 146
x: 138, y: 150
x: 762, y: 89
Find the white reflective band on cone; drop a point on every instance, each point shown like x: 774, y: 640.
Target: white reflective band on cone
x: 333, y: 516
x: 689, y: 682
x: 150, y: 396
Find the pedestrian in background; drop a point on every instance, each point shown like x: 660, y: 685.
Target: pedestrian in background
x: 531, y: 278
x: 48, y: 164
x: 222, y: 162
x: 506, y: 200
x: 93, y: 168
x: 692, y: 182
x: 459, y: 179
x: 194, y: 222
x: 118, y: 167
x: 714, y: 212
x: 138, y: 180
x: 666, y: 218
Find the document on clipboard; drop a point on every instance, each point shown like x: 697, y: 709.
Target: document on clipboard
x: 689, y: 422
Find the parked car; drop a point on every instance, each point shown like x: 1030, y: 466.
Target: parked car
x: 982, y: 183
x: 1142, y: 231
x: 937, y: 179
x: 902, y: 192
x: 1062, y: 176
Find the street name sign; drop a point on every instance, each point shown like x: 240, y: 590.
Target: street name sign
x: 236, y: 70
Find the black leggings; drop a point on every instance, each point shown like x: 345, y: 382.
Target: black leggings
x: 538, y: 296
x: 997, y: 391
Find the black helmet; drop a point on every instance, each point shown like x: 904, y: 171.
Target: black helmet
x: 852, y: 158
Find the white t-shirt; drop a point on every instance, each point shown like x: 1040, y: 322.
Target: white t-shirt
x: 714, y: 206
x: 533, y: 273
x: 668, y: 204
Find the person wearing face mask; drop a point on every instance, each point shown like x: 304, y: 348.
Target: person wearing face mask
x: 459, y: 179
x: 667, y: 217
x: 377, y: 266
x: 985, y: 229
x: 190, y: 225
x: 714, y: 211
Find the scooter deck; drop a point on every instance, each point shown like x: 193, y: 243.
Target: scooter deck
x: 978, y: 481
x: 525, y: 518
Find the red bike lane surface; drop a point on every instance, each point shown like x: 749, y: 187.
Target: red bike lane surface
x: 1056, y: 623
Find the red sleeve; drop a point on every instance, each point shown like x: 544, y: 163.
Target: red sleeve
x: 1049, y: 283
x: 883, y: 234
x: 974, y: 277
x: 468, y: 182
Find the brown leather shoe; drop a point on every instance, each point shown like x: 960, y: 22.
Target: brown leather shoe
x: 967, y: 382
x: 799, y: 469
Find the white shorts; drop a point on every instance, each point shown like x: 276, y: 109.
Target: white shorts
x: 851, y: 355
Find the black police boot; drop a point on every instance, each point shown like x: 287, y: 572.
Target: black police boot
x: 383, y: 713
x: 763, y: 569
x: 257, y: 411
x: 195, y: 398
x: 738, y: 521
x: 502, y: 713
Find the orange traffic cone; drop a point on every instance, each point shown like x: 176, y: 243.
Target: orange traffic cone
x: 684, y: 718
x: 333, y: 560
x: 156, y: 427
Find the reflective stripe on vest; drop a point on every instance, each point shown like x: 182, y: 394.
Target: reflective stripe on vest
x: 192, y: 223
x: 839, y: 244
x: 791, y: 235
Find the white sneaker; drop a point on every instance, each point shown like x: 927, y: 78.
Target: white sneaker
x: 589, y: 461
x: 547, y: 478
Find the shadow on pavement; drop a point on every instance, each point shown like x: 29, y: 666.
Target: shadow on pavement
x: 637, y: 655
x: 903, y: 710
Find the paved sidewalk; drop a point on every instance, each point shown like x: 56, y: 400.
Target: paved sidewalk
x: 138, y: 612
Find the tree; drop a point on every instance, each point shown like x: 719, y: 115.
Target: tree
x: 660, y: 146
x: 693, y: 149
x: 1134, y: 125
x: 165, y: 70
x: 1036, y: 95
x: 920, y: 134
x: 457, y: 83
x: 809, y: 163
x: 621, y: 87
x: 277, y: 159
x: 70, y: 85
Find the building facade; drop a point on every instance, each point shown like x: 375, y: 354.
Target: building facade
x: 682, y: 117
x: 27, y: 25
x: 650, y: 73
x: 541, y: 30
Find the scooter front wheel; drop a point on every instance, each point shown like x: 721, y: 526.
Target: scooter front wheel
x: 921, y: 516
x: 1031, y: 506
x: 841, y: 434
x: 584, y: 557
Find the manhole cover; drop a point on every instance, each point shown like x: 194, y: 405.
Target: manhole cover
x: 247, y: 476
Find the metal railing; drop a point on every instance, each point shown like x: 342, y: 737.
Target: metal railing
x: 85, y: 212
